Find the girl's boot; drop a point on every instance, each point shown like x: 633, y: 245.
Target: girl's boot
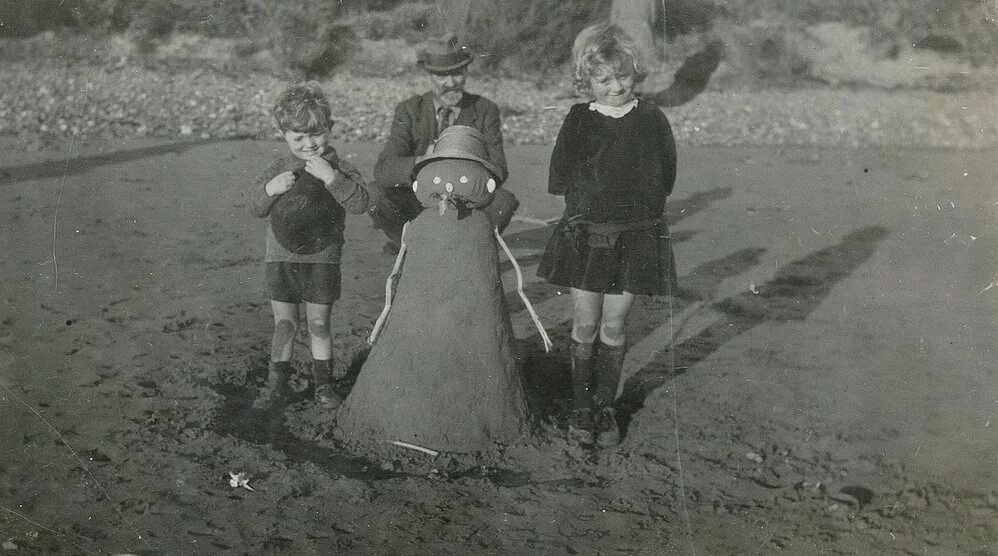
x: 580, y: 425
x: 275, y: 394
x: 322, y: 378
x: 609, y: 363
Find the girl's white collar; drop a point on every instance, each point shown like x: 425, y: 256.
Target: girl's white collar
x: 613, y: 111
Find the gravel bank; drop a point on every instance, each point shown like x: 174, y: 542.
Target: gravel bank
x: 46, y: 106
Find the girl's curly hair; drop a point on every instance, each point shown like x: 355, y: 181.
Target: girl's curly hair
x: 604, y: 45
x: 303, y: 108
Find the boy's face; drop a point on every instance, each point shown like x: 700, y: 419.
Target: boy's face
x: 306, y: 145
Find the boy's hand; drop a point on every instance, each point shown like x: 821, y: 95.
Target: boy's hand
x: 321, y: 168
x: 280, y: 184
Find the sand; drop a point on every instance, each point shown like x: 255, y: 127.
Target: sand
x: 824, y: 383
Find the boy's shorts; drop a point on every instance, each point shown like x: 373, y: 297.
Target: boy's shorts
x: 303, y: 282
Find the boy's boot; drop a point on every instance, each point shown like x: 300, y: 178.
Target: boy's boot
x: 275, y: 394
x: 609, y: 363
x: 580, y: 424
x: 322, y: 378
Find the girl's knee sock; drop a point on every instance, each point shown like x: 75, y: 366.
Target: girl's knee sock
x: 582, y: 374
x: 608, y: 367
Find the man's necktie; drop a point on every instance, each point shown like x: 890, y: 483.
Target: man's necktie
x: 443, y: 118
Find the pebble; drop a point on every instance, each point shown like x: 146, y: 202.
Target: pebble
x: 50, y: 103
x: 844, y: 498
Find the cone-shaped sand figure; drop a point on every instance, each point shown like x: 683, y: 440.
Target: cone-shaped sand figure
x: 443, y: 373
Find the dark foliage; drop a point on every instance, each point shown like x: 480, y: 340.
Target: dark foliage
x: 532, y: 35
x: 20, y: 18
x: 683, y: 17
x: 412, y: 22
x: 511, y: 36
x: 379, y: 5
x: 302, y: 32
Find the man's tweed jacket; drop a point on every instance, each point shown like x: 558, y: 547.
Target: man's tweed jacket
x: 414, y: 129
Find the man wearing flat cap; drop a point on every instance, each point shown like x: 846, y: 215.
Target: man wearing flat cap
x: 417, y: 123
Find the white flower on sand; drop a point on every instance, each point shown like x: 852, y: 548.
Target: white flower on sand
x: 239, y: 480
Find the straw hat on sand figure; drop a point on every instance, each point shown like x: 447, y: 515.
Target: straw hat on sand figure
x: 443, y: 372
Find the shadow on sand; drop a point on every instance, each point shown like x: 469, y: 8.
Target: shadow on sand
x: 793, y: 293
x: 78, y: 165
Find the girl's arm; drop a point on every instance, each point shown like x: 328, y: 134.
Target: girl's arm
x: 563, y: 157
x: 667, y: 144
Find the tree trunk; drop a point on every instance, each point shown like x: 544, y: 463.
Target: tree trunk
x: 638, y: 18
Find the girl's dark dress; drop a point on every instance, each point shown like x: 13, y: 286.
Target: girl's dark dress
x: 615, y: 174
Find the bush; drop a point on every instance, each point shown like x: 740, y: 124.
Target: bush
x: 412, y: 22
x: 513, y: 37
x: 153, y: 18
x: 518, y: 36
x: 689, y: 16
x: 910, y: 20
x: 767, y: 52
x: 154, y: 21
x: 218, y: 18
x: 215, y: 18
x: 379, y: 5
x: 22, y: 18
x: 333, y: 46
x: 376, y: 28
x: 302, y: 34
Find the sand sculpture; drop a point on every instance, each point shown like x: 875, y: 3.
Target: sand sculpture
x: 443, y: 372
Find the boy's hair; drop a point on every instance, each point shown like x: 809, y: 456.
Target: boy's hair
x: 303, y: 108
x: 604, y: 45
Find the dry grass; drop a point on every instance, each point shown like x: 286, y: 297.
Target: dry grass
x: 767, y: 44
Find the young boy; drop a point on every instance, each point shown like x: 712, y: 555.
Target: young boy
x: 306, y: 194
